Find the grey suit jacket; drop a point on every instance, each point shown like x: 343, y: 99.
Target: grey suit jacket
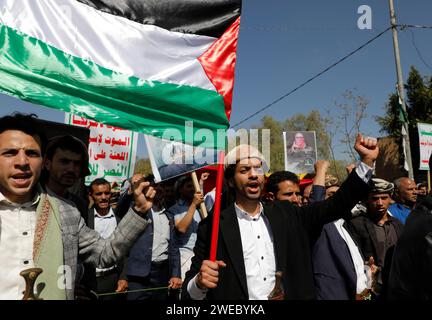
x: 80, y: 240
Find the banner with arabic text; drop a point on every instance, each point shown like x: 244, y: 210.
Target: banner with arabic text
x: 425, y: 144
x: 112, y: 150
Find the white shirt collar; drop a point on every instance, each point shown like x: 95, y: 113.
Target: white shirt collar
x: 32, y: 202
x: 157, y: 212
x: 110, y: 214
x: 241, y: 214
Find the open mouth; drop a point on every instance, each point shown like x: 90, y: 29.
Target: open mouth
x: 253, y: 187
x: 22, y: 179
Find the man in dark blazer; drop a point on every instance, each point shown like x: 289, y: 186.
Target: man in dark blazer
x: 411, y: 270
x: 376, y: 232
x: 255, y: 241
x: 339, y: 270
x: 102, y: 218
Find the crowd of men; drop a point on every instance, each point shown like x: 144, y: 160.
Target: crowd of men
x: 365, y: 238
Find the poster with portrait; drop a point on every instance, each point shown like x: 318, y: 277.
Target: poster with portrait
x: 300, y: 151
x: 170, y: 159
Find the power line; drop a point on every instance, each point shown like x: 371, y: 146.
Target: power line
x: 409, y: 26
x: 311, y: 79
x: 418, y: 51
x: 403, y: 26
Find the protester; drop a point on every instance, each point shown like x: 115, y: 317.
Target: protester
x: 101, y: 218
x: 422, y: 189
x: 65, y: 162
x: 306, y: 194
x: 411, y: 270
x: 39, y: 230
x: 255, y: 241
x: 284, y: 185
x: 154, y: 259
x: 340, y: 272
x: 186, y: 218
x: 406, y: 197
x: 376, y: 232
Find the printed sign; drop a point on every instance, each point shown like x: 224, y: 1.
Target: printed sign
x: 425, y: 141
x: 112, y: 150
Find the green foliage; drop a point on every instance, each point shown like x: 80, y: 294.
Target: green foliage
x: 311, y: 122
x: 342, y: 123
x: 418, y: 101
x: 391, y: 123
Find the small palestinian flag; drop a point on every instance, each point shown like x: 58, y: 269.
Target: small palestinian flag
x: 144, y: 65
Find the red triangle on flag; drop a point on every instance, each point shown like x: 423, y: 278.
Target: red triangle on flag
x: 219, y: 63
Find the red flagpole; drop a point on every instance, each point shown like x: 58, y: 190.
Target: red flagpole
x: 216, y: 214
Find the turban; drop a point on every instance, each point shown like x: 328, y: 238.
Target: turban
x: 378, y: 185
x: 243, y: 152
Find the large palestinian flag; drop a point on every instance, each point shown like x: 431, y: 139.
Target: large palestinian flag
x: 145, y: 65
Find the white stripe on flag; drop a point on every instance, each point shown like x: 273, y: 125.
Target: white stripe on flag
x: 404, y: 134
x: 144, y: 51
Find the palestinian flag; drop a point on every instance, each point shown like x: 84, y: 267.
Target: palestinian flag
x: 144, y: 65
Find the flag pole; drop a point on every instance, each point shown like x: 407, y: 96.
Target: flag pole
x: 198, y: 188
x: 429, y: 181
x: 216, y: 213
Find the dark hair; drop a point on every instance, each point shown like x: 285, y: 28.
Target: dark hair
x: 422, y: 185
x: 229, y: 172
x: 181, y: 182
x: 26, y: 123
x: 69, y: 143
x: 279, y: 176
x: 98, y: 182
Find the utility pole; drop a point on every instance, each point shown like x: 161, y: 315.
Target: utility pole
x: 400, y: 89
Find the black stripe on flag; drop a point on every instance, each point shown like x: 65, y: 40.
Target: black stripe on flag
x: 203, y: 17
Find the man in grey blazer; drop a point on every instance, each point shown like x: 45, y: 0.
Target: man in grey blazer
x: 39, y: 230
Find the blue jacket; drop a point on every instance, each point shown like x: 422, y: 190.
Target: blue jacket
x: 399, y: 211
x: 139, y: 260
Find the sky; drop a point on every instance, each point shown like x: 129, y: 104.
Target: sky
x: 282, y: 43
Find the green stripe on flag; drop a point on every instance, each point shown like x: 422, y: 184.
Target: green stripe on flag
x: 34, y: 71
x: 425, y: 133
